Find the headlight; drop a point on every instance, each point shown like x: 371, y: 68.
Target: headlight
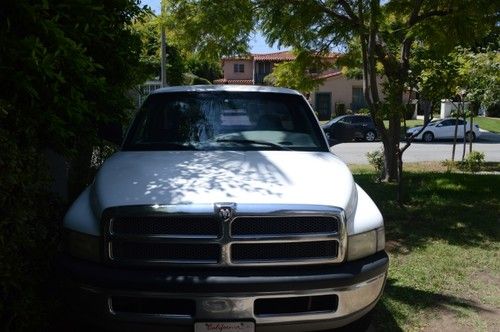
x: 365, y: 244
x: 83, y: 246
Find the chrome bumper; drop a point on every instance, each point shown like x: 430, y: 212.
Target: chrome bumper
x: 353, y: 302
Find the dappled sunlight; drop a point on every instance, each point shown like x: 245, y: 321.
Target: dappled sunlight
x: 205, y: 177
x: 447, y: 184
x: 185, y: 177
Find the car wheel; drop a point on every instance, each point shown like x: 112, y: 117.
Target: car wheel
x: 428, y: 137
x: 370, y: 136
x: 470, y: 136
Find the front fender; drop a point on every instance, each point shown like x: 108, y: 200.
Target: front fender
x: 81, y: 217
x: 367, y: 216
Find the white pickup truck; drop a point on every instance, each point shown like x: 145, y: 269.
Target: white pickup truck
x: 224, y: 210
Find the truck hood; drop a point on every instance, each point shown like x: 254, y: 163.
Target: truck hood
x: 206, y: 177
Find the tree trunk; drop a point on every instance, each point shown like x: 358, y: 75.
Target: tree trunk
x: 391, y: 148
x: 400, y: 177
x: 471, y: 130
x: 465, y: 131
x: 455, y: 135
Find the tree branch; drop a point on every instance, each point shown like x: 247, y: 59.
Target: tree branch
x: 432, y: 13
x: 351, y: 20
x: 348, y: 9
x: 414, y: 13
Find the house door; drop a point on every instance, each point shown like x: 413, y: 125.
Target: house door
x: 323, y: 105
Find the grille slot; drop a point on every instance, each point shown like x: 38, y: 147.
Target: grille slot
x: 171, y: 252
x: 287, y: 251
x: 295, y: 305
x: 166, y: 225
x: 153, y: 306
x: 283, y: 226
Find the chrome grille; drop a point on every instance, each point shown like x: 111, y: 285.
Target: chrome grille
x: 288, y: 251
x: 275, y: 226
x: 165, y: 252
x: 253, y: 235
x: 158, y: 225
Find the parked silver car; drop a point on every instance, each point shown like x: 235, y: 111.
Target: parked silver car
x: 445, y: 129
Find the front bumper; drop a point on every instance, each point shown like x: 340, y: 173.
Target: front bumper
x: 225, y: 295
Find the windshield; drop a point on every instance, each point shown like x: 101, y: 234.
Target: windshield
x: 335, y: 120
x: 225, y: 120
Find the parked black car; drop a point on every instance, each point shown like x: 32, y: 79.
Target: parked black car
x: 346, y: 128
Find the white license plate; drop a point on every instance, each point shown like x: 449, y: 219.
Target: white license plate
x: 224, y: 327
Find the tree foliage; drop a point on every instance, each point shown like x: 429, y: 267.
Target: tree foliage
x: 210, y: 28
x: 180, y: 61
x: 204, y: 68
x: 66, y: 68
x: 148, y: 27
x: 300, y: 74
x: 387, y: 32
x: 480, y: 76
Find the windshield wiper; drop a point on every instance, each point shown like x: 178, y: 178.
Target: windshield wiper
x: 251, y: 142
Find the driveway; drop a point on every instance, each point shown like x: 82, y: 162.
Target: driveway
x: 488, y: 143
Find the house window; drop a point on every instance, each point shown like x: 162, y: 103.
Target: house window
x: 263, y: 67
x: 239, y: 68
x: 358, y: 99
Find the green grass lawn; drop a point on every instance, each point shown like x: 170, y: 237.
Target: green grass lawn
x: 490, y: 124
x: 444, y: 250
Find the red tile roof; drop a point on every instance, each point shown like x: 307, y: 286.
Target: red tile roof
x: 276, y: 56
x: 329, y: 73
x: 226, y: 81
x: 284, y: 56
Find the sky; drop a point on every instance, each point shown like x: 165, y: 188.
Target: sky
x: 257, y: 43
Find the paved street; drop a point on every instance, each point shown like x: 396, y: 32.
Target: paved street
x: 355, y: 153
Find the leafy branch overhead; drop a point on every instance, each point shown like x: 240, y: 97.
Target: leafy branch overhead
x: 386, y: 33
x: 303, y: 73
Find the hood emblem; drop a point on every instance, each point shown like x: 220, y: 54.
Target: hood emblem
x: 225, y: 211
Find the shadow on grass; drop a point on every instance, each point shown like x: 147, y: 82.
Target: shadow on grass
x: 386, y: 316
x: 462, y: 209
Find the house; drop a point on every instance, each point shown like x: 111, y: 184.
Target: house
x: 336, y: 88
x: 251, y: 69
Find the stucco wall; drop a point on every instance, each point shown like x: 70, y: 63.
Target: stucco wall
x: 229, y: 73
x: 340, y: 88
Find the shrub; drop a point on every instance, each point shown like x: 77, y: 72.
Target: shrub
x: 376, y: 159
x: 493, y: 111
x: 473, y: 163
x: 29, y: 239
x: 450, y: 165
x: 364, y: 111
x: 340, y: 109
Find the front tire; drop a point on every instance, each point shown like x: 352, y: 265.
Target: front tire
x: 428, y: 137
x: 370, y: 136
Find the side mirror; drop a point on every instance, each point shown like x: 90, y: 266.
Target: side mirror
x: 111, y: 132
x: 439, y: 125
